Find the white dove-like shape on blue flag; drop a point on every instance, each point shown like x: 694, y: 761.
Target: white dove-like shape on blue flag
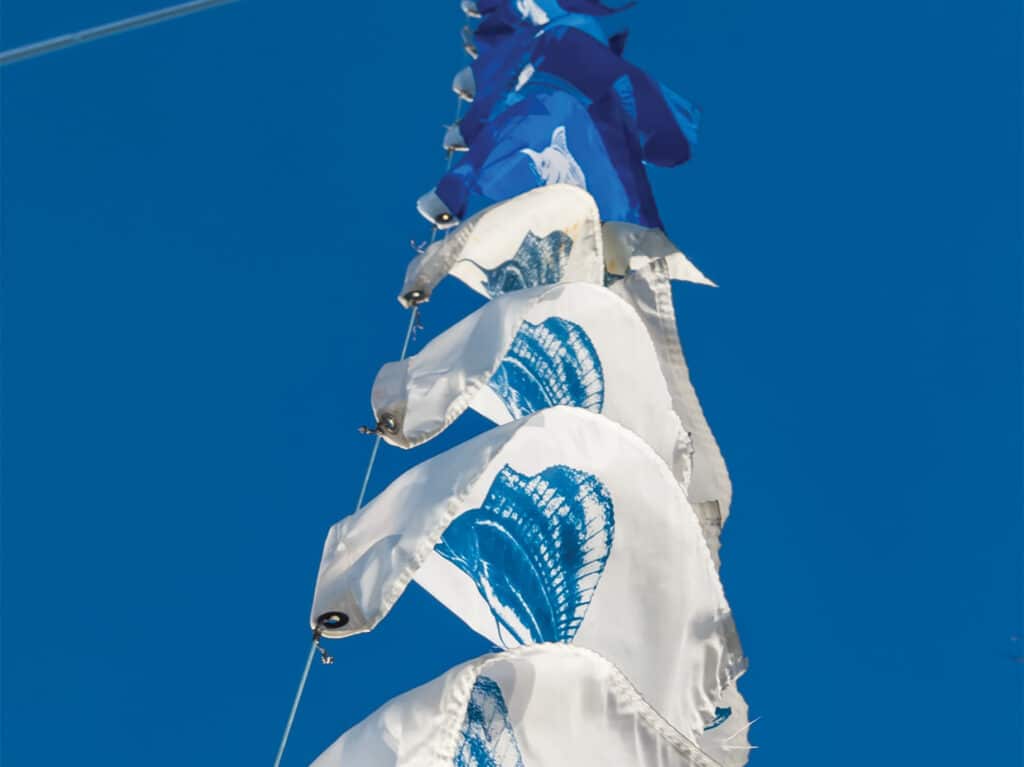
x: 562, y: 526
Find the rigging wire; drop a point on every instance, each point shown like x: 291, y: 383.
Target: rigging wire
x: 409, y: 331
x: 42, y: 47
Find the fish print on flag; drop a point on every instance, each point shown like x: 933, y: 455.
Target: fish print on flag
x: 555, y: 164
x: 538, y: 261
x: 487, y: 738
x: 550, y: 363
x: 535, y: 550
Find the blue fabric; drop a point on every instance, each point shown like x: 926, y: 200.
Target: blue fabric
x: 664, y: 122
x: 524, y: 11
x: 548, y: 137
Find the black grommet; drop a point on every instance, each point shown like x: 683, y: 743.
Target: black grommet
x: 388, y: 423
x: 332, y: 621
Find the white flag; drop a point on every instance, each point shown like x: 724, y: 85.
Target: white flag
x: 561, y: 527
x: 546, y: 235
x: 549, y: 705
x: 649, y: 292
x: 570, y: 344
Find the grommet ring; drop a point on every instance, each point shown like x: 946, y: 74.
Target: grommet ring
x: 332, y: 621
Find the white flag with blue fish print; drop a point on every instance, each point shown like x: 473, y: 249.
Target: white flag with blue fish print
x: 572, y: 344
x: 649, y: 292
x: 544, y: 236
x: 560, y: 527
x: 547, y: 705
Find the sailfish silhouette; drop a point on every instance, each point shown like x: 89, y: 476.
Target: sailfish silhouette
x: 551, y: 363
x: 537, y: 261
x: 555, y: 163
x: 535, y: 550
x: 487, y: 738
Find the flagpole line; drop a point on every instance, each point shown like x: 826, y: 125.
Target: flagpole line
x: 32, y: 50
x: 413, y: 315
x: 298, y: 697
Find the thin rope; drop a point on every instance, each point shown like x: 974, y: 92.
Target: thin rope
x: 106, y: 30
x: 376, y: 440
x: 413, y: 316
x: 295, y: 703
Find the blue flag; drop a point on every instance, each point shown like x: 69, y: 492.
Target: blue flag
x: 664, y: 122
x: 549, y: 137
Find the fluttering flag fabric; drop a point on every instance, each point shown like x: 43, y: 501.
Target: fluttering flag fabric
x: 664, y: 122
x: 537, y: 706
x: 560, y: 527
x: 649, y: 292
x: 572, y: 344
x: 548, y: 138
x: 544, y: 236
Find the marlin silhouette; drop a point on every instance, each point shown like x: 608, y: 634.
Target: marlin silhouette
x: 555, y: 164
x: 537, y: 261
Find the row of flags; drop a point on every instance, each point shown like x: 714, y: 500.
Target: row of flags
x: 581, y: 533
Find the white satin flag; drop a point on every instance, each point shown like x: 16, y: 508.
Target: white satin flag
x: 548, y: 705
x: 544, y: 236
x: 561, y: 527
x: 570, y: 344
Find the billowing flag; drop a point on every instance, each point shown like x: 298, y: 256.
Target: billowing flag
x: 537, y: 706
x: 572, y: 344
x: 561, y: 527
x: 546, y: 235
x: 548, y: 138
x: 664, y: 122
x: 649, y: 292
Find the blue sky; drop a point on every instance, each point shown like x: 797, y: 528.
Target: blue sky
x: 205, y: 224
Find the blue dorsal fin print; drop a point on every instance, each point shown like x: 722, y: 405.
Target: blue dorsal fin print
x: 551, y: 363
x: 538, y: 261
x: 487, y: 738
x: 535, y: 550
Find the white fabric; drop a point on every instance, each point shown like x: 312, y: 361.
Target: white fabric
x: 498, y: 235
x: 628, y: 247
x: 494, y: 236
x: 649, y: 292
x: 651, y: 603
x: 422, y: 395
x: 547, y: 705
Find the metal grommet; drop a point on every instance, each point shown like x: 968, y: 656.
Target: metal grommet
x: 443, y: 218
x: 331, y: 621
x: 388, y: 423
x: 415, y: 296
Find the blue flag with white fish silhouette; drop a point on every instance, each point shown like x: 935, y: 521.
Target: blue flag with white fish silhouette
x: 550, y: 137
x: 664, y: 122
